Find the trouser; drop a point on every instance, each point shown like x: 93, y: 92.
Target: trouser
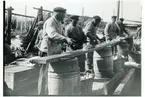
x: 89, y: 60
x: 130, y: 42
x: 81, y: 58
x: 114, y: 49
x: 81, y: 61
x: 89, y: 57
x: 43, y: 77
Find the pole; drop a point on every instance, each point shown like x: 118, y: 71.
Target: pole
x: 82, y: 11
x: 113, y: 12
x: 118, y: 9
x: 25, y: 17
x: 122, y: 9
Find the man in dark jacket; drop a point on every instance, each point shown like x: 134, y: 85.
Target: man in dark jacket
x: 123, y: 31
x: 76, y: 33
x: 78, y: 37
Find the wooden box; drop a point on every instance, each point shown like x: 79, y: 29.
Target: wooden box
x: 18, y: 77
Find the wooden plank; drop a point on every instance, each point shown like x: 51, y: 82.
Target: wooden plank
x: 43, y: 10
x: 124, y: 82
x: 17, y: 68
x: 114, y: 82
x: 22, y: 15
x: 52, y: 58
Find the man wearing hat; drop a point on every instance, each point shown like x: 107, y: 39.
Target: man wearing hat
x: 39, y: 37
x: 92, y: 38
x: 51, y: 44
x: 123, y: 31
x: 78, y: 37
x: 111, y: 31
x: 75, y: 32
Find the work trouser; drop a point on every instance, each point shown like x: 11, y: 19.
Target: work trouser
x: 114, y: 49
x: 43, y: 77
x: 81, y: 58
x: 89, y: 57
x: 81, y: 61
x: 130, y: 42
x: 89, y: 60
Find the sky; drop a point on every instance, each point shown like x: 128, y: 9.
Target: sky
x: 130, y: 9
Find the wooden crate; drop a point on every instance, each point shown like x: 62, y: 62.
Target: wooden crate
x: 18, y: 77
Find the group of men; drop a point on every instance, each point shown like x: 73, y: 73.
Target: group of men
x: 52, y: 37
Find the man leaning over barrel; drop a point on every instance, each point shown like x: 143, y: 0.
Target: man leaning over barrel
x: 124, y: 32
x: 51, y: 44
x: 112, y: 30
x: 75, y: 32
x: 90, y: 31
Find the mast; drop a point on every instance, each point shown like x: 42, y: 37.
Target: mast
x: 118, y: 9
x: 82, y: 11
x: 25, y: 17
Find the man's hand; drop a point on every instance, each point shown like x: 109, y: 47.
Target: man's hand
x: 68, y: 40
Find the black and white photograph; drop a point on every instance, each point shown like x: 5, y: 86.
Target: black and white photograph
x: 72, y: 48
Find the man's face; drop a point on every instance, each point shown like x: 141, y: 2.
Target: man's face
x: 74, y: 22
x: 113, y: 20
x: 62, y: 15
x: 97, y: 23
x: 121, y: 21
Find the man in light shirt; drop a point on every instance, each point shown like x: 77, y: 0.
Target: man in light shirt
x: 51, y: 44
x: 111, y: 31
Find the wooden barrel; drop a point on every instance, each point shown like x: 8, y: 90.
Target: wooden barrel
x: 118, y: 64
x: 123, y: 49
x: 64, y: 77
x: 104, y: 62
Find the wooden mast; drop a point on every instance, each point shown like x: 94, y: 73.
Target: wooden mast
x: 118, y: 9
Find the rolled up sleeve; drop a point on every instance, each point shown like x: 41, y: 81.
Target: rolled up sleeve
x: 106, y: 30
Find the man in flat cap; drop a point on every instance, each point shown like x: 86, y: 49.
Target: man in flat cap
x: 90, y: 31
x: 39, y: 37
x: 75, y: 32
x: 51, y: 44
x: 123, y: 31
x: 111, y: 31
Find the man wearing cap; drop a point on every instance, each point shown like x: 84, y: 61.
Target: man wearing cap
x: 111, y: 31
x: 123, y: 31
x: 75, y: 32
x: 39, y: 37
x: 51, y: 44
x: 92, y: 38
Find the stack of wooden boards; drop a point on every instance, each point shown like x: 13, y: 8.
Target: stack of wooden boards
x: 21, y: 79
